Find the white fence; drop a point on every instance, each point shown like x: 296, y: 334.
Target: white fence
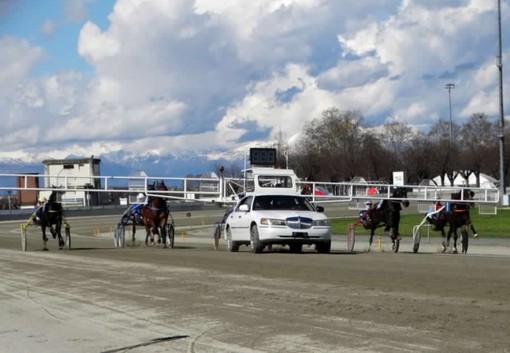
x: 227, y: 189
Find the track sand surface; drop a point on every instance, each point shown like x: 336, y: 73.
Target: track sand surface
x: 194, y: 299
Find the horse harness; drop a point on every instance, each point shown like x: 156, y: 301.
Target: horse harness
x: 154, y: 208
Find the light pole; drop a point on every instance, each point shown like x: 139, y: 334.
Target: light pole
x: 502, y: 186
x: 449, y: 87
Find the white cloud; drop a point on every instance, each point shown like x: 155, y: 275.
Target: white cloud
x: 94, y: 45
x: 353, y: 73
x: 48, y: 28
x: 76, y: 10
x: 177, y: 76
x: 17, y: 59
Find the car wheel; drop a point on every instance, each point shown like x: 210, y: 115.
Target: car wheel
x: 323, y: 247
x: 255, y: 243
x: 232, y: 246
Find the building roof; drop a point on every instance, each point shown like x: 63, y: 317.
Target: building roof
x: 138, y: 173
x: 72, y: 161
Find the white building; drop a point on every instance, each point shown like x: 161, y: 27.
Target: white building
x: 78, y: 174
x: 136, y: 183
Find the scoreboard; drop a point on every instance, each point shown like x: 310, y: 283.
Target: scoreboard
x: 263, y: 156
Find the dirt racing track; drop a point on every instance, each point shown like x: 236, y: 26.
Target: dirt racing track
x: 97, y: 298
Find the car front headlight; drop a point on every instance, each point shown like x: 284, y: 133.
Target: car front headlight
x: 321, y: 223
x: 272, y: 222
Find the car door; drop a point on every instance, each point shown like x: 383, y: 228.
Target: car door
x: 239, y: 220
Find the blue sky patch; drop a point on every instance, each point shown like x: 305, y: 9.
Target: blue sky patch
x: 287, y: 95
x: 253, y: 131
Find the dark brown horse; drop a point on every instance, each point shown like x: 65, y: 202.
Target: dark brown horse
x: 50, y: 215
x: 386, y: 213
x: 155, y: 215
x: 457, y: 217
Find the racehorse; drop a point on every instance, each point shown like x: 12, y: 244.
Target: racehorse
x: 155, y: 215
x: 458, y: 217
x: 386, y: 213
x: 51, y: 216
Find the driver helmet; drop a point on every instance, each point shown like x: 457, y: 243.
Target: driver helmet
x: 42, y: 199
x: 140, y: 197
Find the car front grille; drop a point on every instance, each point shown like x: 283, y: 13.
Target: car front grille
x: 299, y: 222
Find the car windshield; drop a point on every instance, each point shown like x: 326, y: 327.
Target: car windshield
x: 281, y: 202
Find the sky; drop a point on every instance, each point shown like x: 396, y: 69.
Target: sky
x: 209, y: 77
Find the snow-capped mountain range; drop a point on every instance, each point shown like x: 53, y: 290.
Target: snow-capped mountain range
x: 121, y: 164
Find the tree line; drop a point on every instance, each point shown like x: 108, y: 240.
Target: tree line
x: 339, y: 146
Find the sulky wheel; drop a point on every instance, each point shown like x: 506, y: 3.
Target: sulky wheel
x: 217, y: 235
x: 170, y: 235
x: 68, y: 237
x: 416, y: 238
x: 351, y: 238
x: 120, y: 237
x: 395, y: 241
x: 24, y: 237
x: 116, y: 237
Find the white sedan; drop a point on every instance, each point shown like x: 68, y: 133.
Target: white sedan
x: 261, y: 220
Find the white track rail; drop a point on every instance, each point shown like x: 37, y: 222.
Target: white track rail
x: 226, y: 190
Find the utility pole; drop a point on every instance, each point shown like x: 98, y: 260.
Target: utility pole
x: 501, y: 136
x: 449, y: 87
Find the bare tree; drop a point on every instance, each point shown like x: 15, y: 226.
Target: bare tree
x: 337, y: 141
x: 443, y: 159
x: 374, y: 158
x: 306, y: 163
x: 479, y: 146
x: 396, y: 138
x: 282, y: 150
x: 418, y: 158
x: 338, y: 147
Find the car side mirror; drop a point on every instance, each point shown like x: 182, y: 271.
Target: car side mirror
x: 244, y: 208
x: 319, y: 209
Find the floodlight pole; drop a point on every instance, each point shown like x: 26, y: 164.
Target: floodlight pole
x: 449, y: 87
x: 502, y: 187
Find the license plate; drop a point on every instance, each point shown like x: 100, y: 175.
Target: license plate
x: 300, y: 234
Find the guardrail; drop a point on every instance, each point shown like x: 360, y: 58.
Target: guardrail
x: 227, y: 189
x: 349, y: 192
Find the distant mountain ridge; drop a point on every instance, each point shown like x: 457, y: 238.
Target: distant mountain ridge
x: 163, y: 166
x: 119, y: 164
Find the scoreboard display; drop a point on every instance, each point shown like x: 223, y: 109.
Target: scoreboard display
x: 263, y: 156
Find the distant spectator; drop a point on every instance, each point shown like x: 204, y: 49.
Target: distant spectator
x: 372, y: 191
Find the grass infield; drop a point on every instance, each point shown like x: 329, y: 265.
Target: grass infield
x: 490, y: 226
